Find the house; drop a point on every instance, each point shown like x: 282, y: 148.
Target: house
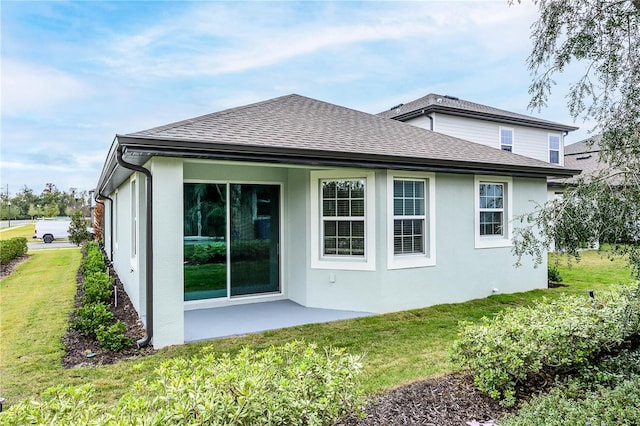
x: 584, y: 156
x: 509, y: 131
x: 298, y: 199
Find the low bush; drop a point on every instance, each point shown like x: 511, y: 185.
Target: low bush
x: 295, y: 384
x: 93, y: 261
x: 550, y: 336
x: 605, y: 407
x: 12, y: 248
x: 90, y: 317
x: 113, y: 338
x: 98, y: 287
x: 553, y: 275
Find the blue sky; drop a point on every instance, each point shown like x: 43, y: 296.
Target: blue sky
x: 76, y: 73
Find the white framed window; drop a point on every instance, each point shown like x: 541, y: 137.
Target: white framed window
x: 493, y: 211
x: 343, y: 220
x: 506, y: 139
x: 410, y: 220
x: 554, y: 149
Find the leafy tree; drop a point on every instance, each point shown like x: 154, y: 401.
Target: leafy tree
x: 78, y: 232
x: 604, y: 37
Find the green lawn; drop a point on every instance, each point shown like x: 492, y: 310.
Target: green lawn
x: 18, y: 231
x: 399, y: 347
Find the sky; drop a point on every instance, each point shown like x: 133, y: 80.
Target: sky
x: 76, y: 73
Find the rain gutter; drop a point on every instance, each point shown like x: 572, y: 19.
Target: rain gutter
x: 149, y: 244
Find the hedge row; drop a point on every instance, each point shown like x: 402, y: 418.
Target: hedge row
x: 551, y: 337
x: 295, y: 384
x: 12, y: 248
x: 94, y: 318
x: 604, y: 407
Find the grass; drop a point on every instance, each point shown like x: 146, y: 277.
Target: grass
x: 399, y: 347
x: 17, y: 231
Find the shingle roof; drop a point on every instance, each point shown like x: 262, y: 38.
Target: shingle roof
x: 583, y: 155
x: 452, y: 105
x: 297, y: 129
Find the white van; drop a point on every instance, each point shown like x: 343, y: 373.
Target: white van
x: 49, y: 230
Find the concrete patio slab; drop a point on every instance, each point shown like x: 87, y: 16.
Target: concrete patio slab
x: 203, y: 324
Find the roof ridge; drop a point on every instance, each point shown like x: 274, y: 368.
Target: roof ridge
x: 199, y: 118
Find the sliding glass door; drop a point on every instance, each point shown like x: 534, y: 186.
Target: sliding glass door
x: 231, y: 240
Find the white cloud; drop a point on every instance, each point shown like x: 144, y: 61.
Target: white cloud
x: 222, y: 39
x: 30, y: 87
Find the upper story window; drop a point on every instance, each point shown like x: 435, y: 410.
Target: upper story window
x: 506, y: 139
x: 554, y: 149
x: 343, y: 220
x: 493, y: 211
x: 411, y: 211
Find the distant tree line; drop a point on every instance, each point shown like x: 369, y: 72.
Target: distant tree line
x: 51, y: 202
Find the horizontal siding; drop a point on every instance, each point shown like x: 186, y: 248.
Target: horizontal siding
x: 527, y: 141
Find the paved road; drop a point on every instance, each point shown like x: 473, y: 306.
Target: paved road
x: 38, y: 244
x: 14, y: 223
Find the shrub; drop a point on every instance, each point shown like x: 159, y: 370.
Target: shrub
x: 294, y: 384
x: 549, y: 336
x: 113, y: 338
x: 553, y: 275
x: 12, y: 248
x: 98, y: 287
x: 606, y: 407
x: 59, y: 405
x: 93, y: 260
x: 78, y: 232
x: 91, y: 317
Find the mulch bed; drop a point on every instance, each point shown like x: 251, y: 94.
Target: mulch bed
x: 7, y: 268
x: 443, y: 401
x: 83, y: 351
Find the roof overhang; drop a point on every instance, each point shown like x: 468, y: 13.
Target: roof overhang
x: 139, y: 150
x: 429, y: 109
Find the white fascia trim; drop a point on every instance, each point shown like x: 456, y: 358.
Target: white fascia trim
x: 416, y: 260
x: 346, y: 263
x: 493, y: 241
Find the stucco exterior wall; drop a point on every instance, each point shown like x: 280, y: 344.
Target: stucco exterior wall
x: 461, y: 271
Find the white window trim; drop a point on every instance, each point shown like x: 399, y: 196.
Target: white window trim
x: 560, y: 157
x: 318, y: 261
x: 513, y: 137
x: 413, y: 260
x: 492, y: 241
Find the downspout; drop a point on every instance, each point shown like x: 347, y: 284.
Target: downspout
x: 149, y: 241
x: 100, y: 195
x: 430, y: 117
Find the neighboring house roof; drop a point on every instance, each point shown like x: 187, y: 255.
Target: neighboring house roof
x: 455, y: 106
x: 584, y: 156
x: 294, y: 129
